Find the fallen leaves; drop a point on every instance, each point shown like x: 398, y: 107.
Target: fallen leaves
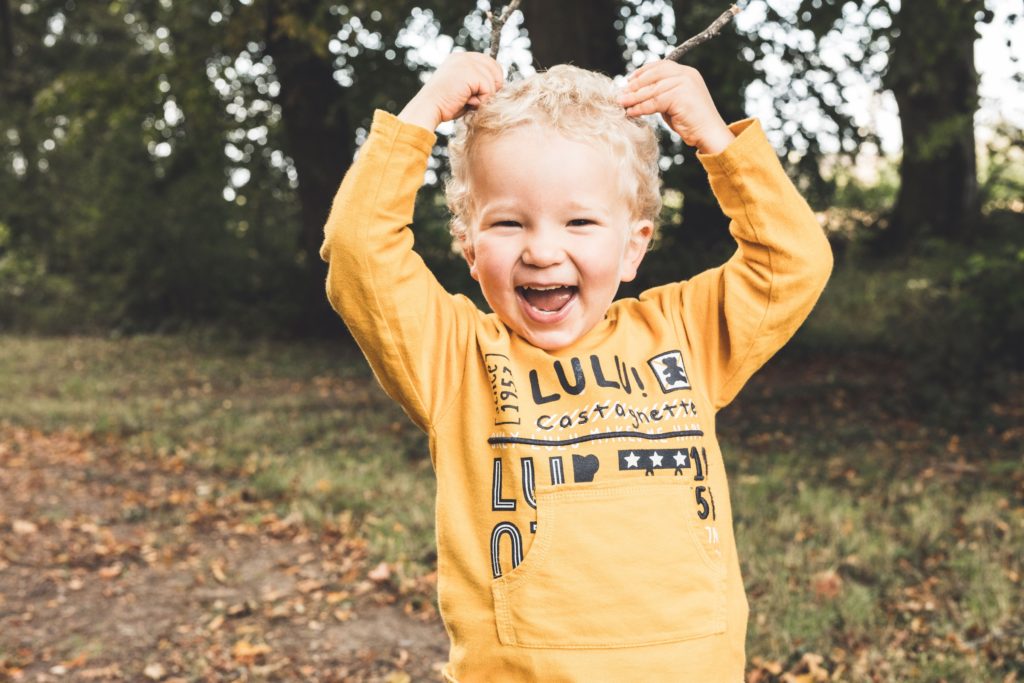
x: 380, y: 573
x: 217, y: 570
x: 808, y: 668
x: 155, y: 671
x: 247, y: 653
x: 179, y: 577
x: 111, y: 571
x: 827, y: 585
x: 24, y: 527
x: 111, y: 672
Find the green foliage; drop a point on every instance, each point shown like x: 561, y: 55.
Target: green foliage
x: 960, y: 330
x: 29, y: 297
x: 854, y: 312
x: 860, y: 204
x: 952, y: 314
x: 116, y: 139
x: 155, y: 174
x: 1002, y: 170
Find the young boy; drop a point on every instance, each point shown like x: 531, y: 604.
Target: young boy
x: 584, y: 530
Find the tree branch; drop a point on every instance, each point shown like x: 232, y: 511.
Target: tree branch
x: 705, y: 35
x: 497, y: 24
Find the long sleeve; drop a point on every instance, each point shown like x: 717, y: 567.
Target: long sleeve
x: 404, y: 321
x: 739, y: 314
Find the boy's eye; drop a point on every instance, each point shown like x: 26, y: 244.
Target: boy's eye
x: 581, y: 221
x: 505, y: 224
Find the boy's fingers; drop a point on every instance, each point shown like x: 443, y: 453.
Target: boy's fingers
x: 643, y: 109
x: 648, y: 106
x: 667, y: 101
x: 643, y: 92
x: 661, y: 72
x: 643, y: 69
x: 654, y: 92
x: 492, y: 75
x: 651, y: 70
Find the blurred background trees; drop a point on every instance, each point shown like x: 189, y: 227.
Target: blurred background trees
x: 166, y: 164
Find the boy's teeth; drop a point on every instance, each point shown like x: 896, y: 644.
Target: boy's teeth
x: 550, y: 298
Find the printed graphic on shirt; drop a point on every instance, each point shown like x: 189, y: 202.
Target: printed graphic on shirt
x: 503, y: 386
x: 649, y: 460
x: 593, y: 373
x: 497, y: 502
x: 584, y: 467
x: 624, y: 430
x: 557, y: 472
x: 669, y: 369
x: 510, y: 530
x: 595, y: 422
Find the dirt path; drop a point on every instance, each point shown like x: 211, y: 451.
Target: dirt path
x: 114, y: 567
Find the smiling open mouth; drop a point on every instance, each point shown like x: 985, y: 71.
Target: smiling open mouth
x: 547, y: 299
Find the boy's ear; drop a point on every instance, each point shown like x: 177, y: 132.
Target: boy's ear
x: 470, y: 256
x: 640, y: 234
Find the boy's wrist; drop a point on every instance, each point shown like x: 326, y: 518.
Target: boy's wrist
x: 420, y: 113
x: 715, y: 140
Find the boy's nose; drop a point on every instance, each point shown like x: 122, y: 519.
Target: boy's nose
x: 542, y: 249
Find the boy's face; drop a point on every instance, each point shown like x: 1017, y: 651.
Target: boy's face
x: 551, y: 236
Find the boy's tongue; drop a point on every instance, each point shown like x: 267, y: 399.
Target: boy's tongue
x: 548, y: 299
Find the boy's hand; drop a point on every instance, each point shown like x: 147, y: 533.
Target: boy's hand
x: 464, y: 81
x: 679, y: 94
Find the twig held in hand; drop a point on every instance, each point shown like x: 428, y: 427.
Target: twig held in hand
x: 498, y: 23
x: 705, y: 35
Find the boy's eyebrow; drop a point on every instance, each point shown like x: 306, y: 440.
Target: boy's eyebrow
x: 573, y: 204
x: 577, y: 205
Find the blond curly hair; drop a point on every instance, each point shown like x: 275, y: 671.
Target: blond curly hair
x: 579, y: 104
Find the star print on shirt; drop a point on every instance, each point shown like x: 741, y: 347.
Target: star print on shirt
x: 649, y: 460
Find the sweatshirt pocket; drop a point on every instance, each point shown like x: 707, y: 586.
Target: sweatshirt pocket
x: 614, y: 564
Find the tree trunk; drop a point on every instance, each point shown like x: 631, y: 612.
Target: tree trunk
x: 316, y: 121
x: 6, y: 36
x: 579, y: 32
x: 933, y: 78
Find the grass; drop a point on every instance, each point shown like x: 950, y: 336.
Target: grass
x: 890, y: 548
x: 303, y: 425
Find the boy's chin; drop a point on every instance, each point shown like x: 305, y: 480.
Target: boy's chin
x: 551, y: 340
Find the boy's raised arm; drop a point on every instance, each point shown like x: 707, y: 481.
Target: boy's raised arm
x: 739, y: 314
x: 406, y: 324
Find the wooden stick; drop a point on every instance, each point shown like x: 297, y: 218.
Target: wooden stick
x: 705, y: 35
x: 497, y: 24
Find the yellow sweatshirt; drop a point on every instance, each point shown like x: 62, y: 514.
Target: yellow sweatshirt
x: 584, y: 529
